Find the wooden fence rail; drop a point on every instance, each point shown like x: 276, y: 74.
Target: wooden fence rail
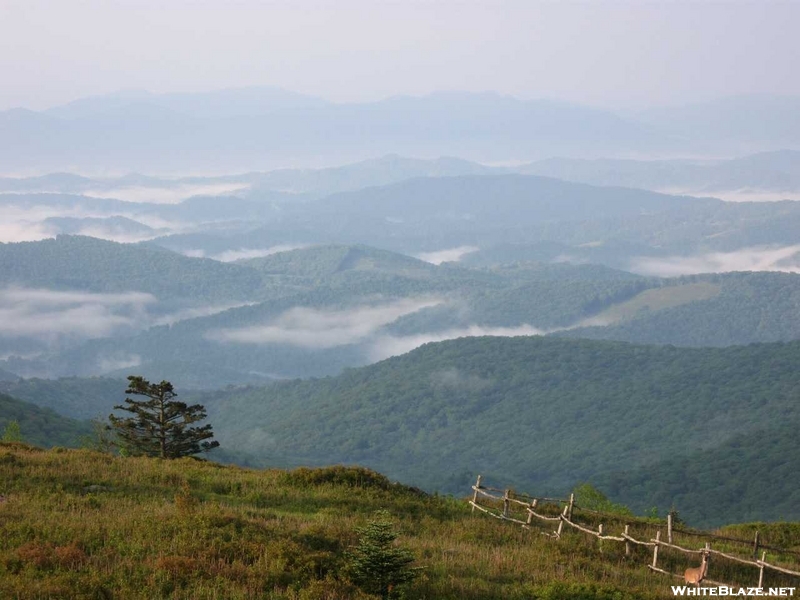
x: 755, y: 543
x: 565, y: 518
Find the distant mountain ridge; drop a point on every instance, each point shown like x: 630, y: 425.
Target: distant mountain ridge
x: 777, y: 171
x: 85, y: 263
x: 246, y: 129
x: 733, y: 120
x: 221, y: 104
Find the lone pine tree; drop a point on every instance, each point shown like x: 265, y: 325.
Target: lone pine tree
x: 376, y: 565
x: 160, y: 424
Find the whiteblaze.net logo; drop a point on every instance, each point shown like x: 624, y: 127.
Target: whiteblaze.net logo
x: 724, y: 590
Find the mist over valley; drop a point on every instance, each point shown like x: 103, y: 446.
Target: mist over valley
x: 250, y: 279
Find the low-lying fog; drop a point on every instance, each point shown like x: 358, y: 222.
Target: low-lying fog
x: 757, y: 258
x: 47, y: 314
x: 166, y: 195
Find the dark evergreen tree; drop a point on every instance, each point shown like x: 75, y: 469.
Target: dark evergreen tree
x: 160, y: 425
x: 377, y: 565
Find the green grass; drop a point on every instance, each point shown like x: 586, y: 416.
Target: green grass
x: 151, y: 528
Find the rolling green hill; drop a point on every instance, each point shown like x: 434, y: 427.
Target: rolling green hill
x: 749, y: 471
x: 706, y: 310
x: 41, y: 426
x: 323, y: 288
x: 318, y: 262
x: 89, y: 264
x: 78, y: 398
x: 538, y: 413
x: 354, y: 283
x: 443, y: 212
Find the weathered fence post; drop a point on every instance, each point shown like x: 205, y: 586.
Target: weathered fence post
x: 669, y: 527
x: 530, y: 510
x: 505, y: 504
x: 627, y: 543
x: 561, y: 521
x: 655, y: 548
x: 475, y: 495
x: 761, y: 570
x: 571, y: 505
x: 600, y: 536
x: 755, y: 546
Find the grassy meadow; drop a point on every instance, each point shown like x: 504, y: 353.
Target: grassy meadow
x: 82, y: 524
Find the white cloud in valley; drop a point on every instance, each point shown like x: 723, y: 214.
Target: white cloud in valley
x: 196, y: 312
x: 24, y: 231
x: 755, y: 258
x: 389, y: 345
x: 47, y: 314
x: 167, y: 194
x: 116, y: 362
x: 446, y: 255
x: 24, y: 223
x: 319, y: 329
x: 27, y: 223
x: 243, y: 253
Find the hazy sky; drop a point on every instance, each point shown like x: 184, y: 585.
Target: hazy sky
x: 607, y: 53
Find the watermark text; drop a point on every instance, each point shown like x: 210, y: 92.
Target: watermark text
x: 725, y: 590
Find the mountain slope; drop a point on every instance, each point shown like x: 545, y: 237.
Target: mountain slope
x: 83, y: 263
x: 73, y: 397
x: 775, y: 171
x: 725, y: 310
x: 326, y: 260
x: 749, y: 473
x: 381, y: 171
x: 41, y: 426
x: 501, y: 199
x: 538, y: 413
x: 332, y: 307
x: 352, y: 305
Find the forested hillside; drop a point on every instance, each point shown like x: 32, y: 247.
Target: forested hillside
x: 317, y: 310
x: 41, y: 426
x: 749, y: 472
x: 541, y: 414
x: 706, y: 310
x: 88, y: 264
x: 78, y: 398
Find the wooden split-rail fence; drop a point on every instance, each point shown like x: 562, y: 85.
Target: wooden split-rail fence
x: 503, y: 499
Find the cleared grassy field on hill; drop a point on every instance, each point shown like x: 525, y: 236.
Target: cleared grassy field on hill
x: 80, y: 524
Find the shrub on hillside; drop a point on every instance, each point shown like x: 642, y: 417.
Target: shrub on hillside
x: 354, y: 477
